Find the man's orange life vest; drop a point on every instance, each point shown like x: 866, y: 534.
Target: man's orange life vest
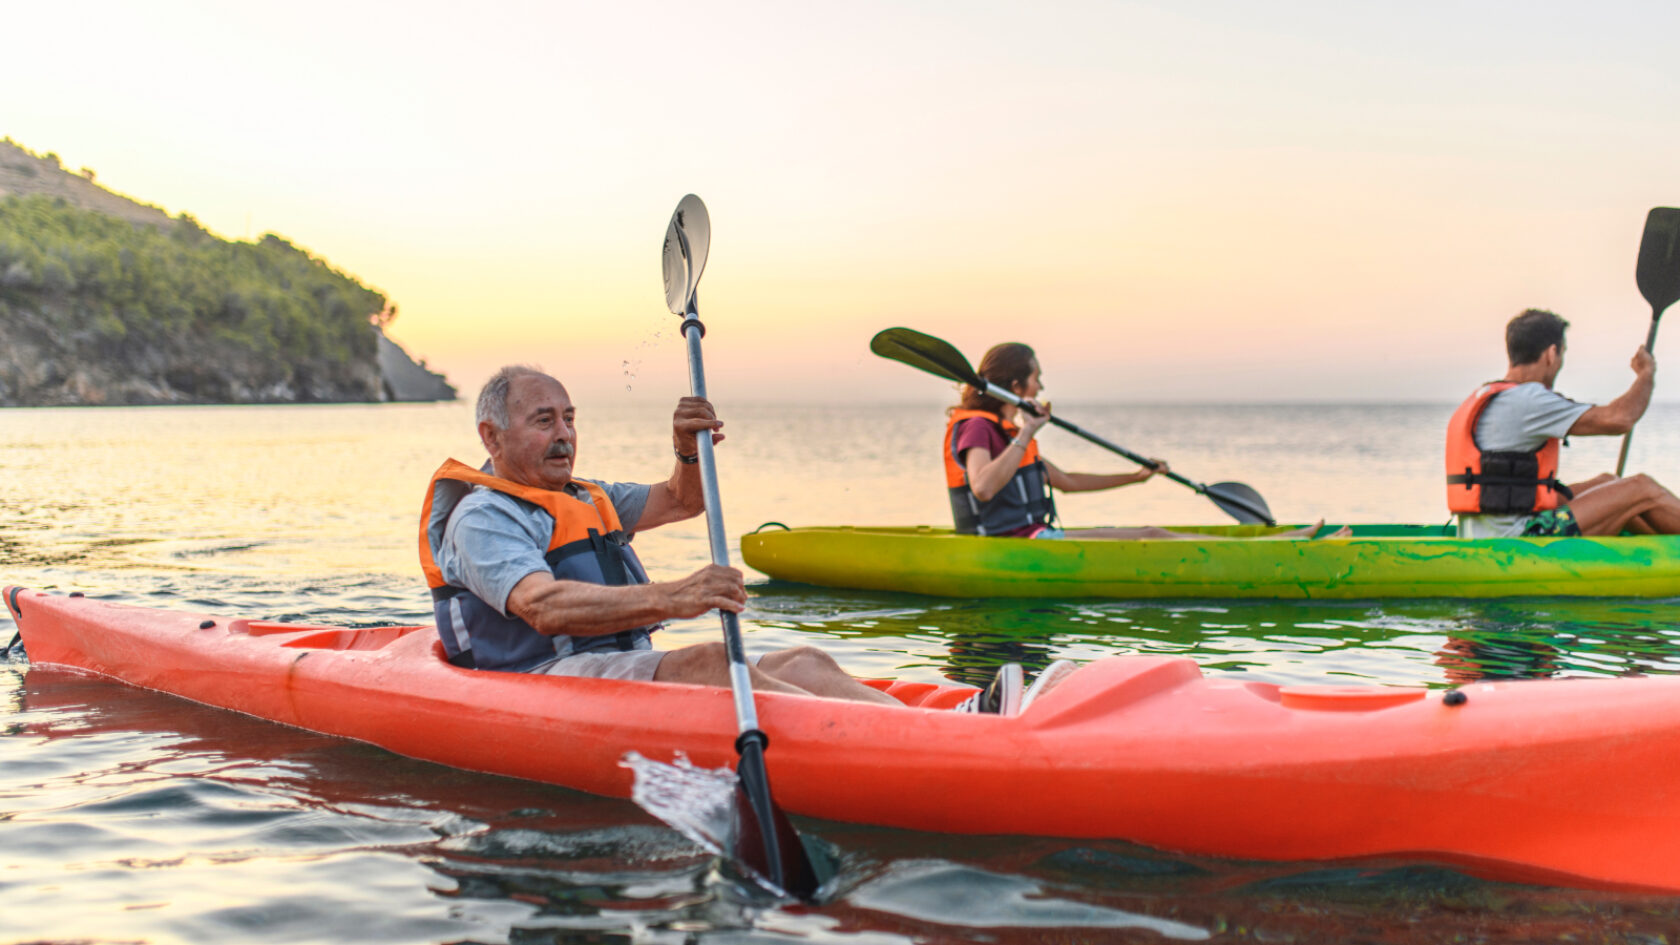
x: 587, y: 544
x: 1500, y: 482
x: 1024, y: 500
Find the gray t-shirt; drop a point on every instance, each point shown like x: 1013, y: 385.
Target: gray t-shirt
x: 1522, y: 418
x: 493, y: 540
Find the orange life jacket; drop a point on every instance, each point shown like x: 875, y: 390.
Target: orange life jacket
x: 1499, y: 482
x: 1024, y: 500
x: 587, y: 544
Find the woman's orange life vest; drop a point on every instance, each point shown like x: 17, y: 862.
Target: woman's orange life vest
x: 1499, y: 482
x: 1024, y: 500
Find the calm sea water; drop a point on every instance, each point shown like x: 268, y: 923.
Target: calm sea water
x: 127, y: 816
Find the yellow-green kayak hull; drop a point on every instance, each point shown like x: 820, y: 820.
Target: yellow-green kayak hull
x: 1378, y: 561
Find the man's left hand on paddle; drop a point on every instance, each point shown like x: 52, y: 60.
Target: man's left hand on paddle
x: 693, y: 414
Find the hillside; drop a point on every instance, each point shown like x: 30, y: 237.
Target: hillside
x: 104, y: 300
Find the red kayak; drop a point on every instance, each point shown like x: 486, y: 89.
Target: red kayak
x: 1562, y: 781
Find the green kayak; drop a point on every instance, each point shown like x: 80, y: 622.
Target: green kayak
x: 1376, y: 561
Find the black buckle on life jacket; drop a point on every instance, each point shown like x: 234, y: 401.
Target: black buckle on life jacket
x: 1510, y: 482
x: 607, y: 555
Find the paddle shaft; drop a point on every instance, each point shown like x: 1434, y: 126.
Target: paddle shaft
x: 751, y: 741
x: 745, y: 712
x: 1011, y: 398
x: 1650, y: 344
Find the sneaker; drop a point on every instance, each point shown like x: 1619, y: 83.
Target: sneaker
x: 1048, y: 680
x: 1002, y: 697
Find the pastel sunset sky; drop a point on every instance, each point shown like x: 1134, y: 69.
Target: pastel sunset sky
x: 1172, y: 201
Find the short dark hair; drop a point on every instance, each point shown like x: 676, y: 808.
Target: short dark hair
x: 1529, y: 335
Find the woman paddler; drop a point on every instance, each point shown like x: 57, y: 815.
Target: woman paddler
x: 1000, y: 484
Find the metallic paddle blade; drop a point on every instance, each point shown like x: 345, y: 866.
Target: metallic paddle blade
x: 925, y: 353
x: 1659, y: 259
x: 1241, y: 502
x: 688, y: 239
x: 696, y: 226
x: 676, y: 270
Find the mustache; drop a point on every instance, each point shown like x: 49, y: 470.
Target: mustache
x: 559, y: 449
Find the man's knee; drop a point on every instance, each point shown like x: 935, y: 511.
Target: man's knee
x: 799, y: 660
x: 1646, y: 487
x: 706, y: 663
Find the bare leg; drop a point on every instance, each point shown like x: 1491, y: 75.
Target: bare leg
x: 1593, y: 483
x: 1138, y: 533
x: 1609, y: 508
x: 816, y: 672
x: 1162, y: 534
x: 707, y: 664
x: 804, y: 670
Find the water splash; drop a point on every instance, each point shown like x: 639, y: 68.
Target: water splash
x: 698, y: 802
x: 703, y: 805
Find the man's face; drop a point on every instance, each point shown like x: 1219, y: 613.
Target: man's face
x: 1554, y: 362
x: 539, y: 443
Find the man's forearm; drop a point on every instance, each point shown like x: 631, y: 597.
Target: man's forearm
x: 1631, y: 405
x: 580, y: 609
x: 686, y: 489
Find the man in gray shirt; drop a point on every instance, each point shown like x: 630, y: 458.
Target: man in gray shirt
x: 531, y: 568
x: 1526, y: 417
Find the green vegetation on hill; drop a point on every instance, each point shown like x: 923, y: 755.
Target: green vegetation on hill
x: 102, y: 283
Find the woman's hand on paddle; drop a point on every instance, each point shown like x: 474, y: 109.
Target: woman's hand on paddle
x: 713, y: 587
x: 693, y: 415
x: 1152, y: 467
x: 1030, y: 424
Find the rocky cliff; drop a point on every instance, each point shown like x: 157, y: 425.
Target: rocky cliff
x: 405, y: 380
x: 104, y: 300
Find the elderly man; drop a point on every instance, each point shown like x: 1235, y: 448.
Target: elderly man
x: 1502, y: 449
x: 531, y: 568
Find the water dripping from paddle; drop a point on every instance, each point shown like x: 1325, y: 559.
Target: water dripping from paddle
x: 703, y: 805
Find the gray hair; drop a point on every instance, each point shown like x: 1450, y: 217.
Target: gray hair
x: 492, y: 399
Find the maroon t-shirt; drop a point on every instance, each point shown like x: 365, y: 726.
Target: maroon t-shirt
x: 978, y: 432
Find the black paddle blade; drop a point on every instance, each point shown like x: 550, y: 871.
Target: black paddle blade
x: 1659, y: 259
x: 1241, y: 502
x: 765, y: 839
x: 675, y: 263
x: 925, y: 353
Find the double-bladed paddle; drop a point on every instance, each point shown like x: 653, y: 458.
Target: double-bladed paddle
x: 936, y: 356
x: 1658, y: 275
x: 765, y: 840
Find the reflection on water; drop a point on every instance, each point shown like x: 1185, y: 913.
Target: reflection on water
x: 130, y: 816
x: 1432, y: 642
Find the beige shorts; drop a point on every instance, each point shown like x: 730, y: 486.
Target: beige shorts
x: 623, y: 664
x: 637, y: 665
